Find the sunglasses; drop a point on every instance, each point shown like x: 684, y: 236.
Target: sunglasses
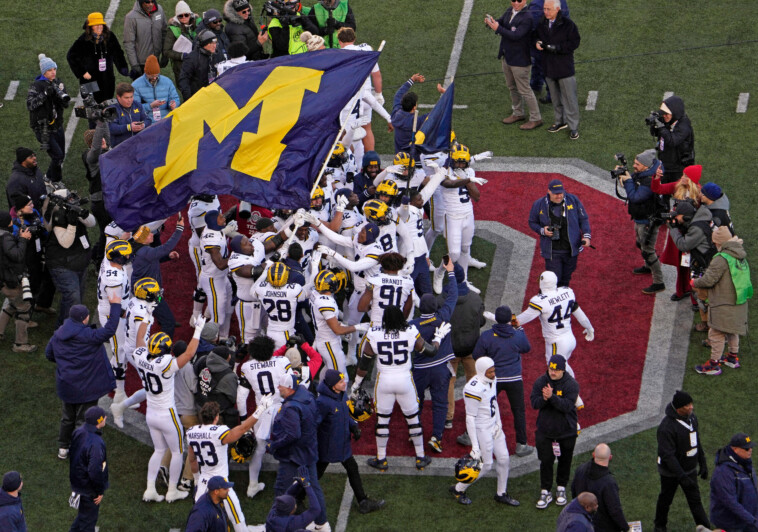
x: 148, y: 1
x: 185, y: 15
x: 244, y: 12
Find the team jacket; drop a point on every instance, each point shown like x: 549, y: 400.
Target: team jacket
x: 206, y: 516
x: 504, y: 345
x: 402, y: 120
x: 88, y: 472
x: 677, y: 457
x: 334, y: 428
x: 276, y: 522
x: 427, y: 323
x: 576, y: 218
x: 734, y: 492
x: 11, y: 513
x: 557, y: 416
x: 599, y: 480
x: 294, y: 432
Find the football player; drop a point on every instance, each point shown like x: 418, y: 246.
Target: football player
x: 261, y: 374
x: 459, y: 188
x: 112, y: 280
x: 214, y: 269
x: 245, y: 265
x: 392, y: 344
x: 390, y: 287
x: 279, y: 299
x: 555, y: 306
x: 156, y: 367
x: 147, y: 295
x: 208, y: 443
x: 200, y: 205
x: 322, y: 209
x: 485, y: 429
x: 351, y: 217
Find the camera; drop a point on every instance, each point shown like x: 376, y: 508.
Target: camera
x: 556, y: 230
x: 272, y: 8
x: 72, y: 202
x: 617, y: 172
x: 44, y: 134
x: 653, y: 117
x: 26, y: 291
x: 59, y: 91
x: 91, y: 110
x: 668, y: 215
x: 33, y: 225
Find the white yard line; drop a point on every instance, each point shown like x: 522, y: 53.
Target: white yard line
x: 347, y: 502
x: 460, y: 36
x: 12, y: 88
x: 431, y: 106
x: 591, y: 101
x: 741, y: 102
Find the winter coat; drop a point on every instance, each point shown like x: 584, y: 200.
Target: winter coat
x: 82, y: 370
x: 43, y: 103
x: 88, y: 468
x: 146, y: 261
x: 515, y: 38
x: 217, y: 382
x: 84, y: 57
x: 13, y: 260
x: 402, y: 121
x: 723, y: 313
x: 504, y: 345
x: 276, y: 522
x: 11, y: 513
x: 25, y: 181
x: 565, y: 35
x: 574, y: 518
x: 206, y: 516
x: 144, y: 34
x: 222, y: 42
x: 145, y: 93
x: 198, y: 70
x: 642, y: 202
x: 598, y: 479
x: 467, y: 320
x: 294, y: 433
x: 121, y: 128
x: 734, y: 492
x: 720, y: 212
x: 174, y: 29
x: 245, y: 31
x: 334, y: 428
x: 674, y: 443
x: 428, y: 323
x: 676, y: 140
x: 693, y: 236
x: 576, y: 218
x: 557, y: 417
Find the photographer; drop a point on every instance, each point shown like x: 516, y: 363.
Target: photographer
x: 330, y: 16
x: 46, y: 99
x: 286, y: 26
x: 68, y: 248
x: 98, y: 142
x: 644, y: 206
x: 130, y: 117
x: 16, y: 304
x: 676, y: 140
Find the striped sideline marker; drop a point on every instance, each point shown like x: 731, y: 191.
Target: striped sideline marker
x: 591, y: 101
x: 741, y: 102
x: 12, y: 89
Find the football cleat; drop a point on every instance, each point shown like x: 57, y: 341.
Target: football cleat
x: 163, y: 475
x: 422, y: 462
x: 545, y: 499
x: 460, y: 496
x: 174, y: 494
x: 381, y: 465
x: 467, y: 469
x: 560, y: 496
x: 435, y: 444
x: 151, y: 495
x: 117, y: 409
x: 473, y: 288
x: 439, y: 275
x: 185, y: 485
x: 62, y: 453
x: 474, y: 263
x: 255, y: 489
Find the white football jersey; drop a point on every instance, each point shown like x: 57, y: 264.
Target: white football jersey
x: 264, y: 376
x: 393, y: 350
x: 457, y: 200
x: 323, y: 308
x: 555, y: 311
x: 198, y: 209
x: 112, y: 277
x: 481, y: 401
x: 137, y: 311
x: 279, y: 303
x: 308, y: 244
x: 387, y: 290
x: 157, y: 376
x: 210, y: 453
x: 414, y: 223
x: 387, y: 239
x: 212, y: 239
x: 373, y: 251
x: 263, y: 238
x: 237, y: 261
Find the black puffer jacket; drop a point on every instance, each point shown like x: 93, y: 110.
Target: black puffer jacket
x: 677, y: 457
x: 240, y: 30
x: 557, y: 416
x: 13, y: 261
x: 197, y: 71
x: 676, y: 140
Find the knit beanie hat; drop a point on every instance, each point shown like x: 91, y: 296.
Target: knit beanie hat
x: 22, y: 154
x: 19, y: 202
x: 681, y: 399
x: 694, y: 172
x: 78, y: 313
x: 503, y: 314
x: 332, y: 377
x: 284, y: 504
x: 711, y: 191
x: 45, y: 63
x: 647, y: 157
x: 11, y: 481
x: 313, y: 42
x: 428, y: 304
x: 721, y: 235
x: 181, y: 8
x: 151, y: 66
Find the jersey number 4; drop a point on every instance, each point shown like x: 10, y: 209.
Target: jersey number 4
x: 558, y: 316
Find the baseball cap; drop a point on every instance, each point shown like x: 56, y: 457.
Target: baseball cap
x: 740, y: 440
x: 288, y: 381
x: 555, y: 186
x: 94, y: 415
x: 218, y: 483
x: 557, y: 362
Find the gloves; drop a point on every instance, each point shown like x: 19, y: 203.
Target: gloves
x: 478, y: 180
x: 342, y: 202
x: 324, y: 250
x: 119, y: 372
x: 302, y: 476
x: 264, y: 404
x: 432, y: 164
x: 476, y: 454
x: 489, y: 316
x: 482, y: 156
x: 84, y: 214
x: 355, y: 430
x: 441, y: 331
x: 71, y: 217
x: 703, y: 472
x: 231, y: 227
x: 311, y: 219
x: 135, y: 72
x: 379, y: 97
x: 552, y: 48
x: 354, y: 391
x: 589, y: 334
x: 125, y: 71
x: 199, y: 324
x: 395, y: 168
x: 361, y: 327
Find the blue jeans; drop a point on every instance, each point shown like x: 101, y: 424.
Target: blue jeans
x: 437, y: 379
x: 562, y: 265
x: 70, y: 284
x: 285, y: 474
x: 86, y: 519
x: 421, y: 280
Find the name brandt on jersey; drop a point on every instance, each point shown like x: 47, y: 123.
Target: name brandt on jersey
x: 398, y: 281
x: 560, y: 297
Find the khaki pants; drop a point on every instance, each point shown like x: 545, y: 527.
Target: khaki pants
x: 15, y: 307
x: 517, y: 80
x: 718, y: 339
x: 469, y: 367
x: 187, y: 422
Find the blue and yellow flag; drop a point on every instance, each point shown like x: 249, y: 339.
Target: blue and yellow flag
x: 261, y: 133
x: 434, y: 134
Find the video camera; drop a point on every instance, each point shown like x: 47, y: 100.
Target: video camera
x: 91, y: 110
x: 653, y: 117
x: 72, y: 202
x: 32, y: 224
x: 617, y: 172
x: 275, y: 8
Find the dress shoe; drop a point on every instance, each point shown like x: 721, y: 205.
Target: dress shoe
x: 530, y: 125
x: 513, y: 119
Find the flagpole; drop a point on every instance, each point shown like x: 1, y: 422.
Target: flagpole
x: 339, y: 134
x: 412, y: 164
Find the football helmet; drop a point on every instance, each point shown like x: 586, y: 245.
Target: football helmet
x: 460, y: 155
x: 119, y: 251
x: 159, y: 344
x: 148, y: 289
x: 278, y: 274
x: 339, y: 156
x: 318, y: 194
x: 326, y: 281
x: 362, y: 407
x: 388, y: 187
x: 341, y: 277
x: 242, y: 450
x: 402, y: 158
x: 375, y: 211
x: 467, y: 469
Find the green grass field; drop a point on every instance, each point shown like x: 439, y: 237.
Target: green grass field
x: 631, y: 52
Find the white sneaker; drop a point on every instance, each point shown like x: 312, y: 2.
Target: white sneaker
x: 151, y: 495
x: 432, y: 267
x: 62, y: 453
x: 476, y: 263
x: 545, y: 499
x: 174, y: 494
x: 560, y: 496
x: 119, y: 396
x: 579, y: 403
x: 117, y: 409
x: 326, y: 527
x: 255, y: 489
x: 437, y: 281
x: 473, y: 288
